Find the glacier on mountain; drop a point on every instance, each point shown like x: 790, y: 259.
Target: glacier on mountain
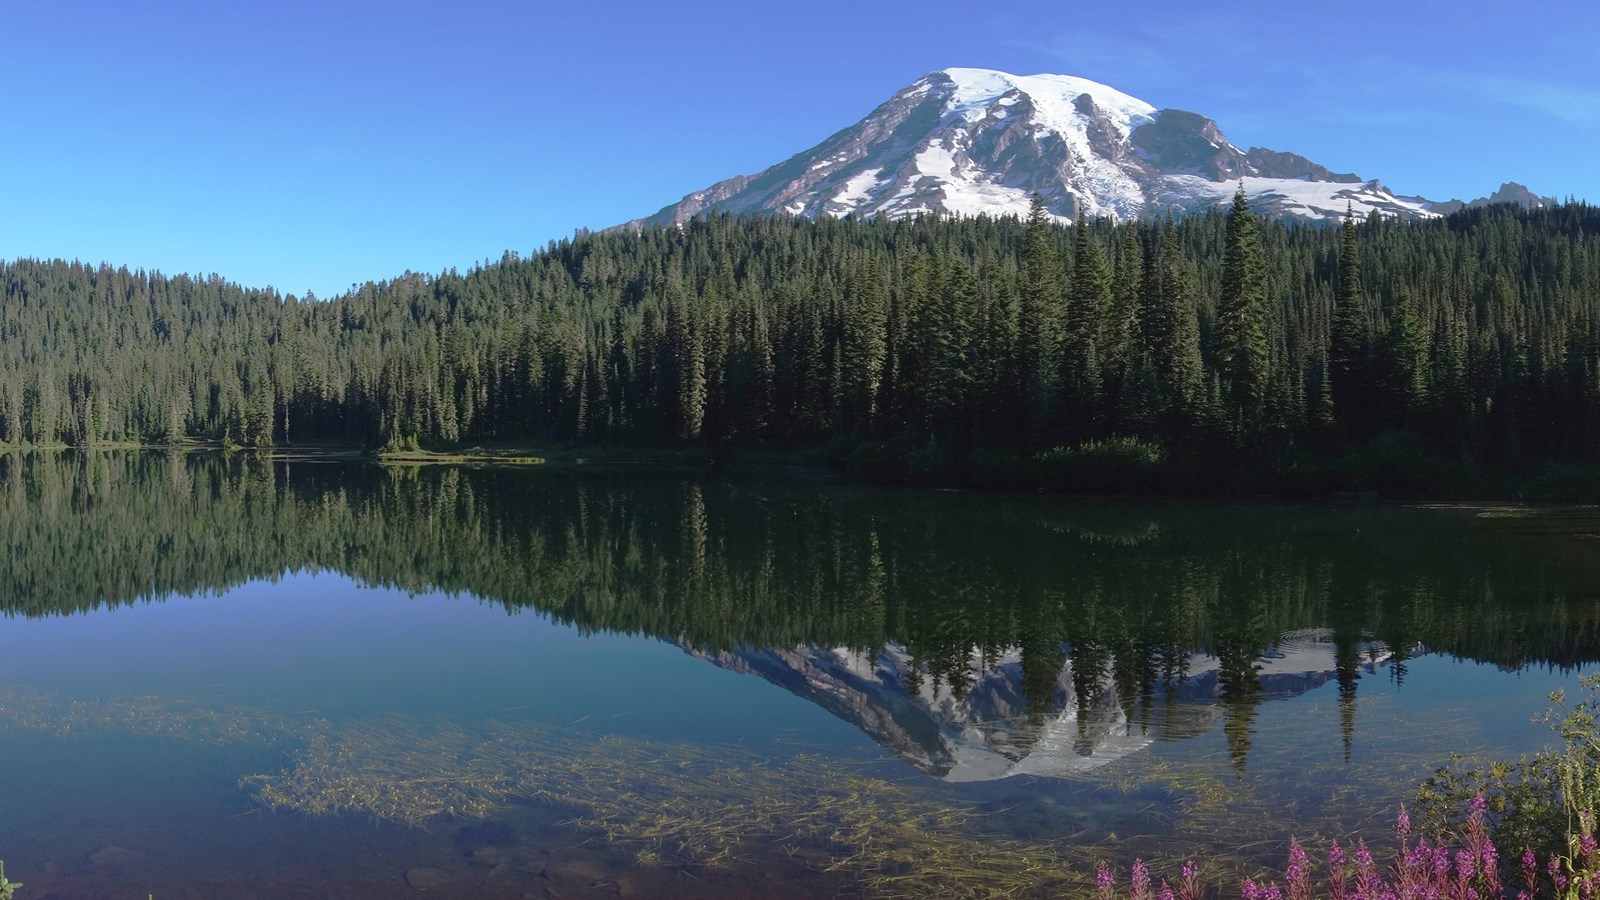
x: 965, y: 141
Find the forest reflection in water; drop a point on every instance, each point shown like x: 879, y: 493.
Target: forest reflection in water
x: 974, y: 637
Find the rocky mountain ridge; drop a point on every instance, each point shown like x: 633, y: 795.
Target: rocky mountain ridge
x: 977, y: 141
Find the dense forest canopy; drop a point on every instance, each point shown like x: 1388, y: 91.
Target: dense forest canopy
x: 1476, y: 334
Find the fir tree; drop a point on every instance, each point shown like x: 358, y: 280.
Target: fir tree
x: 1039, y: 299
x: 1241, y: 341
x: 1350, y: 350
x: 1088, y: 302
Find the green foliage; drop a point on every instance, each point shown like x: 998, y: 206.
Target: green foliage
x: 1101, y: 466
x: 1539, y: 800
x: 1088, y: 304
x: 1241, y: 340
x: 1350, y: 346
x: 986, y: 337
x: 8, y: 888
x: 1394, y: 464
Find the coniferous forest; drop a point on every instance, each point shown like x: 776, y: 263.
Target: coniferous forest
x: 945, y: 347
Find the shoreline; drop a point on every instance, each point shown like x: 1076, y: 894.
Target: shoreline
x: 1554, y: 482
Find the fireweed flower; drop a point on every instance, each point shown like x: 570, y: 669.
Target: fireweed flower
x: 1141, y: 881
x: 1368, y: 882
x: 1191, y: 880
x: 1553, y: 867
x: 1336, y: 872
x: 1489, y: 858
x: 1104, y: 881
x: 1441, y: 862
x: 1298, y: 874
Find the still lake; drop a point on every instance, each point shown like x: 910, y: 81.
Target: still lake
x: 224, y: 677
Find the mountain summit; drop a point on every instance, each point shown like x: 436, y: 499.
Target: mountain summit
x: 972, y: 141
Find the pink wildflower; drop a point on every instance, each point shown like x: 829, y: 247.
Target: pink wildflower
x: 1141, y: 880
x: 1336, y: 872
x: 1298, y: 875
x: 1191, y: 880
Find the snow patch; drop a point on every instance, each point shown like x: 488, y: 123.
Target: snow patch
x: 1297, y: 197
x: 859, y: 188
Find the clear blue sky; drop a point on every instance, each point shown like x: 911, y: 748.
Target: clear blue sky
x: 312, y: 145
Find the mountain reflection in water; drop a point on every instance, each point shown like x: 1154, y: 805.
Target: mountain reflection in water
x: 973, y: 636
x: 987, y: 732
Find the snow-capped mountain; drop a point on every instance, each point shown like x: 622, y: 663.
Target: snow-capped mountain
x: 971, y: 141
x: 988, y: 731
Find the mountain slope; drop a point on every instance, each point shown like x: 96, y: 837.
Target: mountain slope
x: 978, y: 141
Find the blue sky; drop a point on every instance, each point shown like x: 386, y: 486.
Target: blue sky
x: 312, y: 145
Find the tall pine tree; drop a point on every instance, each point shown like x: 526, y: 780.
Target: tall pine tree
x: 1241, y: 339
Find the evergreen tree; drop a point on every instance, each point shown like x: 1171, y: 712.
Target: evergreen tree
x: 1171, y: 327
x: 1241, y: 340
x: 1088, y: 302
x: 1350, y: 350
x: 1039, y: 299
x: 1121, y: 360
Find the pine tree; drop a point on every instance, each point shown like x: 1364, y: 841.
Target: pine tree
x: 1118, y: 340
x: 1400, y: 375
x: 956, y: 330
x: 1088, y: 301
x: 865, y: 319
x: 1350, y: 349
x: 1171, y: 327
x: 1040, y: 297
x: 1241, y: 340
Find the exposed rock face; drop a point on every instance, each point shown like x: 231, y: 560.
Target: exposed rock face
x: 1510, y: 192
x: 976, y: 141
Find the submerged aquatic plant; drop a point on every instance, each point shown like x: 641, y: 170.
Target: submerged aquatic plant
x: 8, y: 888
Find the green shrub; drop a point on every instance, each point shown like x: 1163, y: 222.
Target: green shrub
x: 1102, y: 466
x: 1536, y: 801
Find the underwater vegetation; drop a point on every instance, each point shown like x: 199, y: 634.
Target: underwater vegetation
x: 674, y: 803
x: 709, y: 806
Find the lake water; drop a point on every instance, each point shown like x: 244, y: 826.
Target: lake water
x: 221, y: 677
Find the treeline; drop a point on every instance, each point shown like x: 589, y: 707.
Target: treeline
x: 1475, y: 336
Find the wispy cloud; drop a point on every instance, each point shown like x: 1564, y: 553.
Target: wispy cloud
x: 1270, y: 65
x: 1576, y: 105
